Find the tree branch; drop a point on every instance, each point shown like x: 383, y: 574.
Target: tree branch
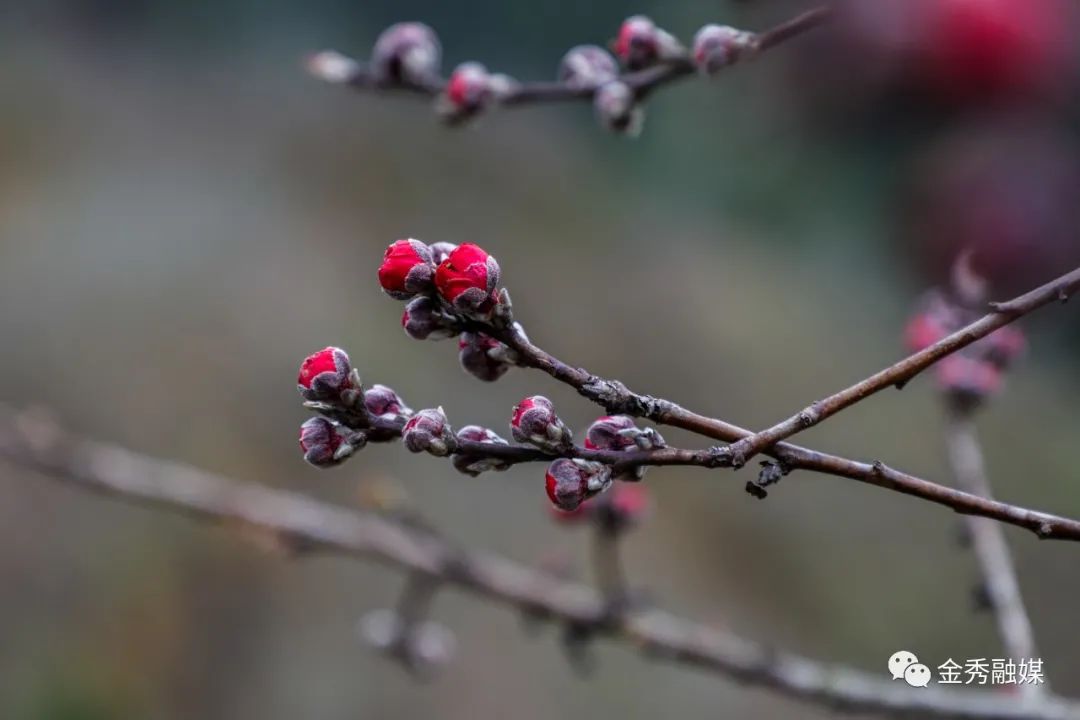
x: 615, y: 397
x: 989, y: 545
x: 898, y: 374
x: 315, y: 526
x: 352, y: 73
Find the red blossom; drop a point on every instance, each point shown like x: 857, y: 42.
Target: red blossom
x: 406, y: 269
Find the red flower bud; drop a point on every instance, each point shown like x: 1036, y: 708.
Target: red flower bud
x: 618, y: 432
x: 587, y: 66
x: 483, y: 357
x: 429, y: 431
x: 406, y: 269
x: 617, y: 110
x: 534, y: 422
x: 1003, y: 346
x: 407, y: 52
x: 569, y: 482
x: 467, y: 280
x: 630, y: 503
x: 381, y: 401
x: 423, y: 319
x: 474, y: 465
x: 641, y: 43
x: 968, y: 381
x: 472, y: 88
x: 327, y: 376
x: 717, y: 46
x: 326, y: 444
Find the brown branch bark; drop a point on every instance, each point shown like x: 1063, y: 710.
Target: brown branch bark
x: 615, y: 397
x: 1001, y: 314
x: 988, y: 544
x: 315, y: 526
x: 643, y: 82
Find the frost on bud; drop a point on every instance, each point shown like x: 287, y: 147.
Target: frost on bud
x: 617, y: 109
x: 571, y: 481
x: 407, y: 52
x: 327, y: 376
x: 468, y: 91
x: 641, y: 43
x: 429, y: 431
x: 717, y: 46
x: 587, y: 66
x: 406, y: 269
x: 467, y: 279
x: 382, y: 402
x: 484, y: 357
x: 618, y: 432
x: 423, y: 319
x: 326, y: 444
x: 534, y: 422
x: 474, y: 465
x: 440, y: 251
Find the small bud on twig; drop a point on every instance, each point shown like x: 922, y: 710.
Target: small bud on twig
x: 467, y: 280
x: 587, y: 66
x: 406, y: 52
x: 325, y: 443
x: 429, y: 431
x: 571, y: 481
x: 328, y: 376
x: 617, y: 109
x: 534, y: 422
x: 406, y: 269
x: 472, y: 465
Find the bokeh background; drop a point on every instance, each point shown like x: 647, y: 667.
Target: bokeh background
x: 184, y: 215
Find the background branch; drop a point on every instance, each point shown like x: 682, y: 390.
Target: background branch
x: 359, y: 76
x: 310, y: 525
x: 898, y: 374
x: 988, y: 543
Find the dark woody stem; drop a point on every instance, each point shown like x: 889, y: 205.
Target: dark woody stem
x: 616, y: 398
x: 643, y: 82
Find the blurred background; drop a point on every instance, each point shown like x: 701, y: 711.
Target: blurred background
x: 184, y: 215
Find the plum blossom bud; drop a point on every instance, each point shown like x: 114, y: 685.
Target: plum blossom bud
x: 406, y: 52
x: 423, y: 319
x: 966, y: 380
x: 326, y: 444
x: 717, y: 46
x: 471, y: 89
x: 429, y: 431
x: 617, y: 109
x: 333, y: 67
x: 534, y: 422
x: 618, y: 432
x: 484, y: 357
x: 1003, y: 346
x: 383, y: 402
x: 327, y: 376
x: 587, y: 66
x: 474, y: 465
x: 467, y: 279
x: 406, y: 269
x: 440, y: 251
x: 571, y: 481
x: 641, y: 43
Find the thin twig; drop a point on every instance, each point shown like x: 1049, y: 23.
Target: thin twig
x: 315, y: 526
x: 988, y: 543
x: 615, y: 397
x: 899, y: 373
x: 357, y: 75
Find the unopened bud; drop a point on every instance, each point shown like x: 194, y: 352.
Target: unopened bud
x: 571, y: 481
x: 617, y: 109
x: 587, y: 66
x: 429, y: 431
x: 534, y: 422
x: 407, y: 52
